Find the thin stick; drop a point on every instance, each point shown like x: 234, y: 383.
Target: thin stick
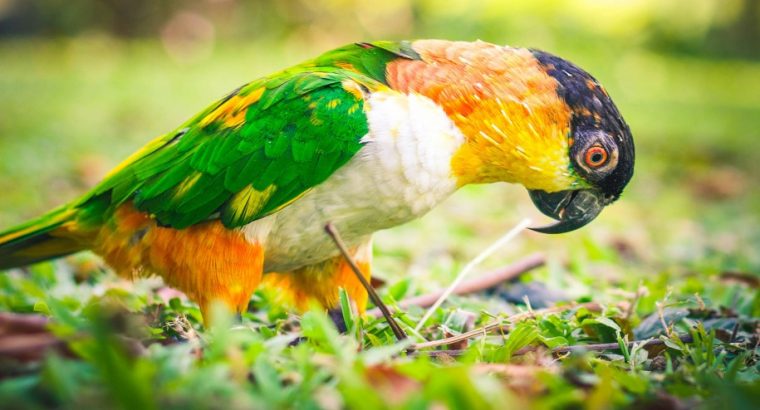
x: 499, y: 324
x: 19, y: 323
x: 478, y: 259
x: 333, y: 233
x: 632, y: 307
x: 31, y: 347
x: 615, y: 346
x: 478, y: 284
x: 600, y: 347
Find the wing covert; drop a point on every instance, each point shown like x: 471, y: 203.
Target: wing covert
x: 250, y: 154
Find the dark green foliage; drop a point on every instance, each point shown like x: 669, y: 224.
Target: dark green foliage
x: 131, y: 352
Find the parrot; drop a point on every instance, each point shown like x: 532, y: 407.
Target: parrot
x: 365, y: 137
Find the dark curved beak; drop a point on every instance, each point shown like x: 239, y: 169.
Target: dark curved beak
x: 572, y: 209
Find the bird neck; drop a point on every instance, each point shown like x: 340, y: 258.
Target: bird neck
x: 515, y: 124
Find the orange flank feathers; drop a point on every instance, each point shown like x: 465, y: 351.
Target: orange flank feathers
x: 211, y: 263
x: 206, y: 261
x: 505, y: 104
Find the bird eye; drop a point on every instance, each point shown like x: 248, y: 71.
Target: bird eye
x: 596, y: 156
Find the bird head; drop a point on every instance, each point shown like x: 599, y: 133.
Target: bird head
x: 528, y: 117
x: 601, y: 149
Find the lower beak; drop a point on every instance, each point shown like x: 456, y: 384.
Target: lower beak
x: 572, y: 209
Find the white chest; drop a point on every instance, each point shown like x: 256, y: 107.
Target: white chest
x: 402, y: 171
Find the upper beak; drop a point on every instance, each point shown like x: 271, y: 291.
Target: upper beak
x: 573, y: 209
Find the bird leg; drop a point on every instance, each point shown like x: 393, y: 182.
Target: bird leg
x: 335, y: 236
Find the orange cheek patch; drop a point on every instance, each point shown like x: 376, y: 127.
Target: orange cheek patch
x: 207, y: 261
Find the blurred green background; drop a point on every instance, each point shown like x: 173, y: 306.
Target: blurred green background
x: 85, y: 83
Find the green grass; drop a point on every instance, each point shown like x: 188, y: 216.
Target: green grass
x: 687, y: 224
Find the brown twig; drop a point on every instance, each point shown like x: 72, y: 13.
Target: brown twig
x: 661, y: 312
x: 335, y: 236
x: 632, y: 307
x: 27, y: 338
x: 29, y: 347
x: 734, y: 332
x: 500, y: 324
x: 17, y: 323
x: 600, y: 347
x: 480, y: 257
x: 478, y: 284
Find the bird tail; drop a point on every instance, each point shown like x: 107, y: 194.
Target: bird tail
x: 49, y: 236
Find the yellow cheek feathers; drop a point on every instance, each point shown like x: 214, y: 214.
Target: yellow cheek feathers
x: 506, y: 106
x: 506, y: 143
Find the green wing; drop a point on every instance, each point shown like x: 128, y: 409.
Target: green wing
x: 259, y: 148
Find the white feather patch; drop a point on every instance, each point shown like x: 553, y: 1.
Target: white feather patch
x: 402, y: 171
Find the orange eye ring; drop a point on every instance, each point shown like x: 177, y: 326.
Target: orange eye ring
x: 596, y: 156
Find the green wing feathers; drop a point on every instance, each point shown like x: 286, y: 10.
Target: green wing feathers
x: 252, y: 153
x: 247, y: 156
x: 259, y: 148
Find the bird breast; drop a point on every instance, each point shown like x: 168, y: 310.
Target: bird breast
x: 402, y: 171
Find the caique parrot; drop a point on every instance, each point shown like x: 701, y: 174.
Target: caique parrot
x: 366, y: 137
